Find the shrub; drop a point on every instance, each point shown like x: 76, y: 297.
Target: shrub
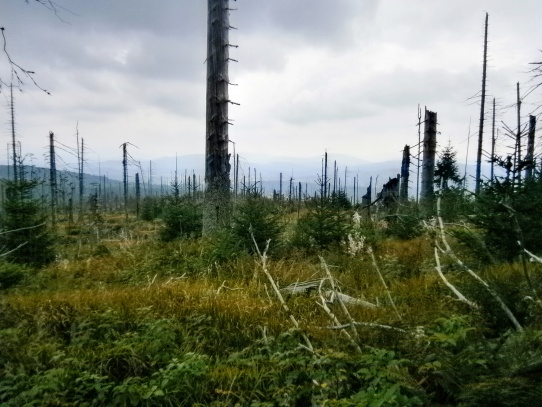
x: 261, y: 216
x: 509, y: 214
x: 10, y: 274
x: 323, y: 225
x: 26, y: 235
x: 183, y: 217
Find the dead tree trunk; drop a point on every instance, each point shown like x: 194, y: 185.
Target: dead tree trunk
x: 517, y: 150
x: 52, y: 177
x: 125, y: 178
x: 217, y: 167
x: 137, y: 193
x: 405, y: 171
x: 529, y: 158
x: 482, y: 107
x: 14, y: 145
x: 493, y: 141
x: 429, y: 152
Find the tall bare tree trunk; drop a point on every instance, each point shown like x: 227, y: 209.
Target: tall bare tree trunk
x: 529, y: 158
x: 52, y: 177
x: 517, y: 155
x: 493, y: 141
x: 125, y: 178
x: 482, y: 108
x: 405, y: 171
x: 13, y: 141
x: 217, y: 209
x: 429, y: 152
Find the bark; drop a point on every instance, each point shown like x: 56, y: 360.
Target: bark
x: 52, y: 177
x: 217, y: 167
x: 405, y: 171
x: 529, y: 159
x: 429, y: 152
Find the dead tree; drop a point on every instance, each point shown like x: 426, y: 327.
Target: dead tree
x: 493, y: 141
x: 482, y: 106
x: 405, y: 171
x: 138, y: 194
x: 52, y: 177
x: 13, y: 141
x: 125, y: 177
x: 517, y: 151
x: 429, y: 152
x: 529, y: 158
x: 217, y: 167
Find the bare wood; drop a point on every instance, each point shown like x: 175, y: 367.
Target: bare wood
x: 448, y: 250
x: 263, y: 264
x: 482, y: 112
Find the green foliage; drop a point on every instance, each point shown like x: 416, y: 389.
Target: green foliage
x: 151, y: 208
x: 223, y: 246
x: 322, y: 226
x: 183, y: 217
x: 508, y: 214
x: 26, y: 235
x: 405, y: 224
x: 260, y: 216
x: 11, y: 274
x: 446, y: 170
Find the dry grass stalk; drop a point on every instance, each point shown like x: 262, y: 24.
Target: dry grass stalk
x: 263, y: 263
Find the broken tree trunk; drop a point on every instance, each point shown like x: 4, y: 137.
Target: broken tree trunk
x: 52, y: 177
x: 217, y: 167
x: 429, y: 152
x: 405, y: 171
x: 529, y: 159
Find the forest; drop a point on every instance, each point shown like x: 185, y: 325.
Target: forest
x: 423, y: 291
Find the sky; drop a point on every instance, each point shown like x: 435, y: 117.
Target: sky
x: 345, y: 76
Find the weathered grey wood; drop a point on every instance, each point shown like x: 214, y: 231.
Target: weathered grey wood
x: 52, y: 177
x: 429, y: 153
x: 482, y: 112
x: 217, y: 167
x: 529, y: 158
x: 405, y: 171
x: 493, y: 142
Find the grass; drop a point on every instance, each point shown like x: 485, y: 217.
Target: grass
x: 124, y: 319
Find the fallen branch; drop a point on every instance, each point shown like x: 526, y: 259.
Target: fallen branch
x: 263, y: 263
x: 448, y: 250
x: 460, y: 296
x: 367, y: 324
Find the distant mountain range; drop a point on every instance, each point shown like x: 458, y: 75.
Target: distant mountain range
x: 268, y: 169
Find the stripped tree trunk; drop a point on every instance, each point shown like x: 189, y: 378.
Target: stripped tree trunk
x: 12, y: 111
x: 52, y: 177
x: 517, y: 150
x: 429, y: 152
x: 405, y: 171
x: 529, y: 159
x: 482, y: 106
x: 125, y: 178
x: 217, y: 167
x: 493, y: 140
x: 137, y: 193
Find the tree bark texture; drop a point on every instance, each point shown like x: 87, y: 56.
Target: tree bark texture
x: 529, y: 158
x: 217, y: 167
x: 405, y: 171
x: 429, y: 152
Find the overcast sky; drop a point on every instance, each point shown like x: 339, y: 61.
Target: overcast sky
x: 341, y: 75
